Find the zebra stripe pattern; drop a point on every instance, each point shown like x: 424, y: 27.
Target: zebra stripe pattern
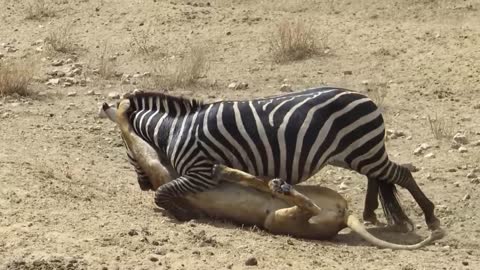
x: 290, y: 137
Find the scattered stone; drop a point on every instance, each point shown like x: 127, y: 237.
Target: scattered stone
x: 37, y: 42
x: 429, y: 155
x: 132, y: 232
x: 466, y: 197
x: 53, y: 82
x: 471, y: 175
x: 69, y: 61
x: 460, y: 138
x: 82, y: 82
x: 251, y: 261
x: 452, y: 170
x: 465, y: 263
x: 365, y: 82
x: 57, y: 63
x: 456, y: 184
x: 153, y: 259
x: 455, y: 145
x: 90, y: 93
x: 238, y: 86
x: 476, y: 143
x: 67, y: 84
x: 347, y: 72
x: 71, y: 94
x: 393, y: 134
x: 419, y: 150
x: 11, y: 50
x: 59, y: 73
x: 286, y: 88
x: 113, y: 95
x: 475, y: 181
x: 462, y: 149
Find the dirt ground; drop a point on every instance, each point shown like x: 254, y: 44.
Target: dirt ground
x: 70, y: 200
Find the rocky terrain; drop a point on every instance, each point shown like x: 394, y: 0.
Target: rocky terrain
x: 70, y: 200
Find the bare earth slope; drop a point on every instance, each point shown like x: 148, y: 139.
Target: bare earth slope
x: 69, y: 199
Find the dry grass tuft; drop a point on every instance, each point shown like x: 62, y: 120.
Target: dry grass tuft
x: 15, y: 79
x: 294, y: 41
x: 143, y: 43
x: 60, y: 40
x: 441, y: 128
x: 378, y: 92
x: 106, y: 65
x: 184, y: 73
x: 38, y: 9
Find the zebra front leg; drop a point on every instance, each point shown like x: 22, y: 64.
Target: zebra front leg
x: 171, y: 196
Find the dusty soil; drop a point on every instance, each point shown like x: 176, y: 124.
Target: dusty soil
x: 69, y: 199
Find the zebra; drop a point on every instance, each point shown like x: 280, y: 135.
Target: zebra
x: 289, y: 137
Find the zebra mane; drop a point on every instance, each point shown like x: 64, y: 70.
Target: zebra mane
x: 140, y: 98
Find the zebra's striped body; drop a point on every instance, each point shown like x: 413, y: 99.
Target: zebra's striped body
x: 290, y: 137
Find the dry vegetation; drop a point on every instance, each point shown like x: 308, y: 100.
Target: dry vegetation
x: 15, y: 78
x: 143, y: 43
x: 60, y: 40
x: 294, y: 41
x: 105, y: 65
x: 183, y: 73
x: 38, y: 9
x: 440, y: 127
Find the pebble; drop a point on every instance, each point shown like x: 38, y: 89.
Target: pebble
x: 153, y: 259
x: 347, y: 72
x: 343, y: 186
x: 475, y: 181
x: 286, y: 88
x: 238, y: 86
x: 460, y: 138
x: 365, y: 82
x: 57, y: 63
x: 471, y: 175
x: 53, y: 82
x: 476, y: 143
x: 11, y: 49
x: 71, y: 94
x: 462, y: 149
x: 251, y: 261
x: 429, y: 155
x: 113, y: 95
x: 90, y: 93
x: 466, y: 197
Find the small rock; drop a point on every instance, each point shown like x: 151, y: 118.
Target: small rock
x: 251, y: 261
x: 71, y: 94
x: 82, y: 82
x: 460, y: 138
x: 465, y: 263
x: 90, y: 93
x: 113, y: 95
x: 286, y: 88
x: 476, y: 143
x: 242, y: 85
x: 425, y: 146
x: 347, y: 72
x: 456, y: 184
x: 132, y: 232
x: 153, y: 258
x: 466, y: 197
x: 1, y: 55
x: 462, y: 149
x: 53, y: 82
x: 365, y: 82
x: 471, y: 175
x: 455, y: 145
x: 59, y: 73
x: 11, y: 49
x: 69, y: 61
x: 475, y: 181
x: 67, y: 84
x: 452, y: 170
x: 429, y: 155
x: 57, y: 63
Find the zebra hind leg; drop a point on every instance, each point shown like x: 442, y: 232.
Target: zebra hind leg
x: 404, y: 178
x: 371, y: 202
x: 392, y: 208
